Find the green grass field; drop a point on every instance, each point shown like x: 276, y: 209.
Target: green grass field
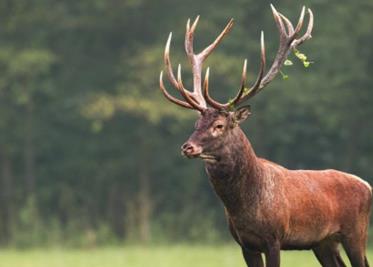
x: 157, y: 256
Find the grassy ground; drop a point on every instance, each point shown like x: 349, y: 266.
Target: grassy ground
x: 161, y: 256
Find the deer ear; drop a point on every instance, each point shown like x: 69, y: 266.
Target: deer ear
x: 241, y: 114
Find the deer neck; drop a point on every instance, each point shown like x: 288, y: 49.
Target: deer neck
x: 236, y: 176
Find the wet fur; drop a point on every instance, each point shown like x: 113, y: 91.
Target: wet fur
x: 269, y: 207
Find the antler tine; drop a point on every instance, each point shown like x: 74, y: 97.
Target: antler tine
x: 279, y: 23
x: 170, y: 97
x: 289, y: 25
x: 256, y: 87
x: 167, y: 62
x: 189, y: 36
x: 206, y: 95
x: 195, y: 62
x: 207, y: 51
x: 300, y: 21
x: 242, y: 95
x: 171, y: 77
x: 194, y: 25
x: 233, y: 102
x: 183, y: 92
x: 213, y: 102
x: 308, y: 34
x: 243, y: 84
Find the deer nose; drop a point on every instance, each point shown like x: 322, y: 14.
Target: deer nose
x: 190, y: 149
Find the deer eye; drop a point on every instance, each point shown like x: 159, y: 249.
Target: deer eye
x: 219, y: 126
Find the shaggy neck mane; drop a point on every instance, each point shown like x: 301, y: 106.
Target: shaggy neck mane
x: 237, y: 172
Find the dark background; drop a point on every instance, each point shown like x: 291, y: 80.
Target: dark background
x: 89, y: 148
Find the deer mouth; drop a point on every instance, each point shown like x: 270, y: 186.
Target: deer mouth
x: 203, y: 156
x: 208, y: 157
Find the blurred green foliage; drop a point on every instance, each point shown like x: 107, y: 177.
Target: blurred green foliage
x: 89, y: 148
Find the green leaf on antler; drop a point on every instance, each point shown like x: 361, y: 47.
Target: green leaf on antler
x: 302, y: 57
x: 288, y: 62
x: 284, y: 76
x: 230, y: 104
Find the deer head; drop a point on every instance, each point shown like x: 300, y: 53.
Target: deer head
x: 217, y: 122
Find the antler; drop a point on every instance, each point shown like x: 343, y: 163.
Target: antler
x: 195, y: 99
x: 288, y: 41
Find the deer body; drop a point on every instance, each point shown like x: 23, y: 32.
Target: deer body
x: 269, y: 207
x: 300, y: 208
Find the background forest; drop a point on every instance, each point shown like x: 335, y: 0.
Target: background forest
x: 90, y: 149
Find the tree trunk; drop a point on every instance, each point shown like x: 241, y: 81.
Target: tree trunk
x: 29, y: 152
x: 116, y: 210
x: 351, y: 148
x: 130, y: 220
x: 6, y: 203
x: 144, y: 206
x: 144, y: 198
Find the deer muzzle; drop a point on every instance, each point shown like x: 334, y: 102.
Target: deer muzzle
x: 191, y: 150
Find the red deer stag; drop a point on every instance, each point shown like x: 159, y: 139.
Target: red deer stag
x: 269, y: 207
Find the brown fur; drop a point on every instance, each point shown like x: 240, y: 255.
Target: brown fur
x: 269, y: 207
